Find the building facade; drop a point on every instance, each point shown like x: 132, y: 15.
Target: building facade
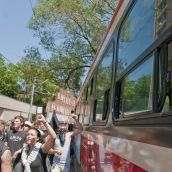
x: 63, y: 104
x: 9, y: 108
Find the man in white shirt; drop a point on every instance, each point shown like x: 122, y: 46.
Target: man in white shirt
x: 61, y: 162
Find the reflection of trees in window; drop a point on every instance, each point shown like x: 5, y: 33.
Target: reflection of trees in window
x: 104, y: 73
x: 136, y: 94
x: 125, y: 35
x: 121, y: 66
x: 136, y: 34
x: 104, y: 76
x: 137, y: 88
x: 99, y: 109
x: 103, y: 80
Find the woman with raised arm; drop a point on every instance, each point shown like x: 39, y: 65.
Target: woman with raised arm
x: 34, y: 153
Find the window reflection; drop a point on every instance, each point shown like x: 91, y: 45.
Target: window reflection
x: 168, y: 101
x: 137, y: 89
x: 104, y: 75
x: 137, y: 33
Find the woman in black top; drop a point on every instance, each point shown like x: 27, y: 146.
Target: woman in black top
x: 34, y: 153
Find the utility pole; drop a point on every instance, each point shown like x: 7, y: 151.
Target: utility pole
x: 31, y: 100
x: 32, y: 96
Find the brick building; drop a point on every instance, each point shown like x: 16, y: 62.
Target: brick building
x: 63, y: 104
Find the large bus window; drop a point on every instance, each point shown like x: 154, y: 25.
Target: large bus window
x: 86, y: 94
x: 87, y: 113
x: 168, y: 102
x: 136, y: 34
x: 89, y: 102
x: 91, y: 86
x: 104, y: 77
x: 137, y: 89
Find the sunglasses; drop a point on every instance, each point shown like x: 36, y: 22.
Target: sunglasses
x: 27, y: 126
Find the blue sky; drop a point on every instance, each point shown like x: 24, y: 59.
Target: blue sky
x: 14, y: 34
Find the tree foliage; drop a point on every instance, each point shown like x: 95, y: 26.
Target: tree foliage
x: 35, y: 70
x: 9, y: 80
x: 83, y: 23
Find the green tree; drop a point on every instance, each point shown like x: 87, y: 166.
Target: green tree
x: 35, y: 70
x: 9, y: 80
x: 83, y: 22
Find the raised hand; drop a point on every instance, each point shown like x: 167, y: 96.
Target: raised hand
x: 40, y: 118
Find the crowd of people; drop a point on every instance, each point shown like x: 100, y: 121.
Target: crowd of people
x: 37, y: 147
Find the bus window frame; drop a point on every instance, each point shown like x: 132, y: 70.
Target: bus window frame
x: 155, y: 116
x: 91, y: 84
x: 129, y: 8
x: 164, y: 37
x: 109, y: 89
x: 162, y: 54
x: 119, y: 88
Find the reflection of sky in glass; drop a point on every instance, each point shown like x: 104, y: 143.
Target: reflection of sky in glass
x: 104, y: 76
x: 137, y: 33
x: 143, y: 70
x: 107, y: 61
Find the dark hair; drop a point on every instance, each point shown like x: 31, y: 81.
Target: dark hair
x: 71, y: 126
x: 37, y: 131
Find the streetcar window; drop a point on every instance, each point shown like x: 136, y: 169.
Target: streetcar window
x: 80, y: 118
x: 137, y: 89
x: 105, y: 104
x: 81, y: 109
x: 89, y: 102
x: 87, y: 113
x: 104, y: 77
x: 91, y: 86
x: 86, y: 93
x: 136, y: 33
x: 168, y: 101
